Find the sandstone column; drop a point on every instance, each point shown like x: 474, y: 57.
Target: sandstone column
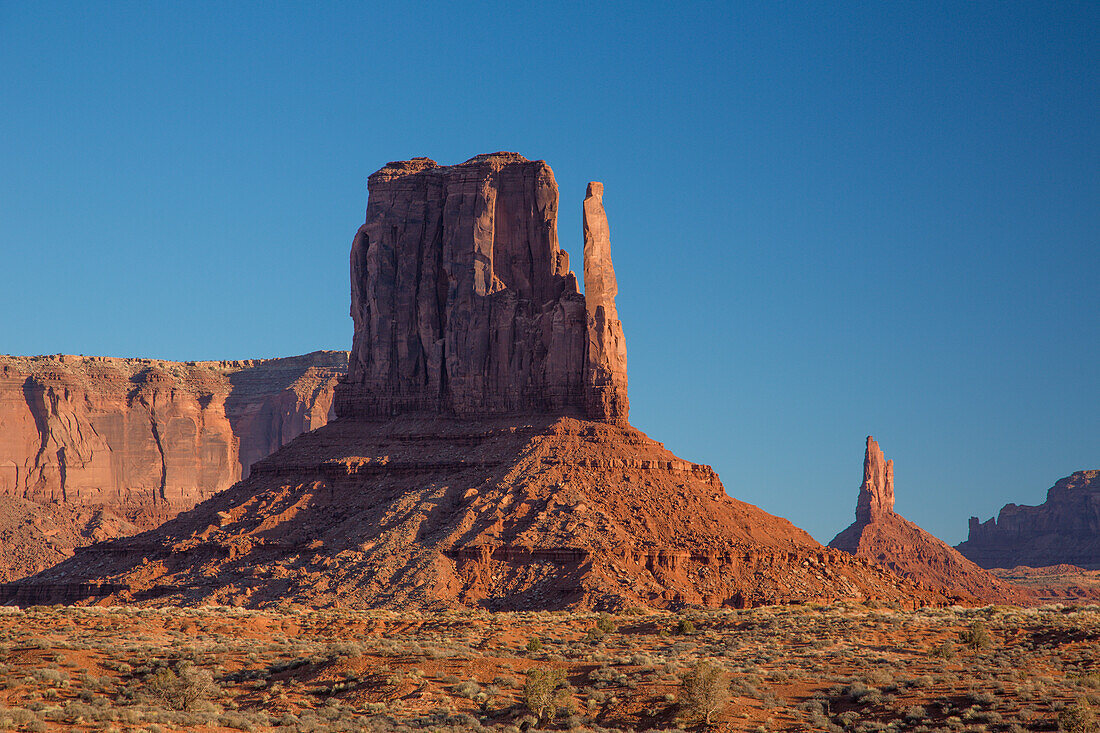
x: 605, y: 368
x: 876, y: 494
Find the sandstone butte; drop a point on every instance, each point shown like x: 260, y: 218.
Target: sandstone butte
x: 481, y: 454
x: 881, y: 535
x: 1063, y: 530
x: 93, y: 448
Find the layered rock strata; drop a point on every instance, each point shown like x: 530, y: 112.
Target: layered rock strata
x: 481, y: 454
x: 464, y: 304
x: 98, y: 447
x: 1065, y: 529
x: 881, y: 535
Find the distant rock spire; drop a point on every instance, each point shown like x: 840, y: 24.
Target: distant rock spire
x: 605, y: 369
x: 882, y: 536
x: 876, y: 494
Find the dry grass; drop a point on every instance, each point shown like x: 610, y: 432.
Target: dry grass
x: 798, y: 668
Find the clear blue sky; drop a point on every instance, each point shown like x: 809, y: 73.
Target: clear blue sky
x: 828, y: 219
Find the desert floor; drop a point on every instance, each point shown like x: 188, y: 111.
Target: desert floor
x: 793, y: 668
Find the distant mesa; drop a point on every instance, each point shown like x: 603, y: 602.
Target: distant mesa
x: 1065, y: 529
x: 881, y: 535
x: 481, y: 455
x: 93, y: 448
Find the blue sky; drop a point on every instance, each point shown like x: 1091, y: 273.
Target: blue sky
x: 828, y: 219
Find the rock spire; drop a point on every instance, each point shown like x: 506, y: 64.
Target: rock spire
x: 882, y: 536
x: 605, y: 369
x: 464, y: 304
x: 876, y: 494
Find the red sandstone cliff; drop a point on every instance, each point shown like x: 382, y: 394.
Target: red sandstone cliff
x: 99, y: 447
x: 481, y: 454
x: 881, y: 535
x: 1065, y: 529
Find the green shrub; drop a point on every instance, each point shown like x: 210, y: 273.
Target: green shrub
x: 1077, y: 718
x: 181, y: 689
x: 534, y: 645
x: 705, y: 690
x: 944, y: 650
x: 467, y: 689
x: 685, y: 626
x: 543, y: 693
x: 976, y: 637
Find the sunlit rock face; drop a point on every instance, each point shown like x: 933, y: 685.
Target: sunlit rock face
x: 99, y: 447
x: 464, y: 304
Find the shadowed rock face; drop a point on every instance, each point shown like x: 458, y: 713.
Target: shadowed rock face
x: 464, y: 304
x: 1065, y: 529
x: 880, y: 535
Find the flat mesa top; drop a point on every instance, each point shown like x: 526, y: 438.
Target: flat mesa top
x: 400, y: 168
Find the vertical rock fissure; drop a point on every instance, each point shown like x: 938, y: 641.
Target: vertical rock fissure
x: 420, y: 364
x: 162, y: 491
x: 41, y: 421
x: 61, y: 473
x: 395, y: 365
x: 442, y: 284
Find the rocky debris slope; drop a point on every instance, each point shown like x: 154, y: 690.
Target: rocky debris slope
x: 98, y: 447
x: 432, y: 512
x: 34, y: 537
x: 1065, y: 529
x: 1055, y: 583
x: 881, y: 535
x: 464, y: 304
x: 481, y: 454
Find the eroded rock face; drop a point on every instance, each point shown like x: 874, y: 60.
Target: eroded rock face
x: 1065, y: 529
x: 149, y: 433
x: 881, y: 535
x: 464, y: 304
x: 481, y: 455
x: 88, y: 443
